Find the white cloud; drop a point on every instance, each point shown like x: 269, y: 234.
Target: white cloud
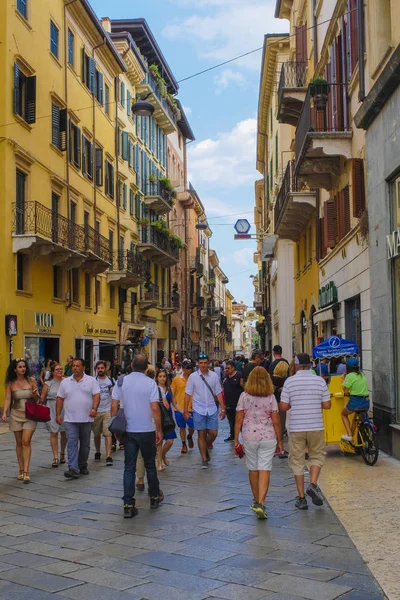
x: 227, y: 28
x: 225, y: 77
x: 243, y: 257
x: 226, y: 162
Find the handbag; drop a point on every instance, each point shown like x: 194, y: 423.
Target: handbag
x: 239, y: 450
x: 167, y: 421
x: 117, y: 424
x: 37, y: 412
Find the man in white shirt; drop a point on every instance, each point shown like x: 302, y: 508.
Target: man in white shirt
x: 79, y: 395
x: 306, y: 396
x: 205, y: 387
x: 101, y: 420
x: 140, y: 398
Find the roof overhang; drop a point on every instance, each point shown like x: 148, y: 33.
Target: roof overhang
x: 283, y: 8
x: 183, y: 124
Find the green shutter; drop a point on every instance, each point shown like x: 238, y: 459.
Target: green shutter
x: 125, y: 145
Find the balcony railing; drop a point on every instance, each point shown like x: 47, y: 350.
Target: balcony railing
x: 97, y: 244
x: 149, y: 79
x: 293, y: 75
x: 151, y: 293
x: 156, y: 188
x: 170, y: 301
x: 33, y: 218
x: 290, y: 183
x: 126, y: 260
x: 159, y: 239
x: 332, y: 118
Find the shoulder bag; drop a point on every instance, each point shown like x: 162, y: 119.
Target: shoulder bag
x: 117, y: 424
x: 209, y: 388
x: 37, y: 412
x: 167, y: 422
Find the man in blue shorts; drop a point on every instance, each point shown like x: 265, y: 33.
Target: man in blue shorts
x: 205, y: 388
x: 178, y: 386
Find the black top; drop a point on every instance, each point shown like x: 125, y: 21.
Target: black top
x: 248, y: 369
x: 232, y: 390
x: 277, y: 381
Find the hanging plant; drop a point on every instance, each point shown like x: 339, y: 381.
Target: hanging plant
x: 152, y: 178
x: 177, y: 241
x: 154, y: 70
x: 160, y: 225
x: 165, y: 182
x: 143, y: 222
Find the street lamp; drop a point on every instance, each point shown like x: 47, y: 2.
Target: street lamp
x: 225, y: 280
x: 202, y: 226
x: 142, y: 108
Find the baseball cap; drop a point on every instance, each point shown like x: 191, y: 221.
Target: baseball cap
x: 302, y: 359
x: 277, y: 349
x: 352, y: 362
x: 187, y: 364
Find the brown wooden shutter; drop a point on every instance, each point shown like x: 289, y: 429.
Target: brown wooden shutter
x: 346, y: 209
x: 353, y: 34
x: 338, y: 88
x: 330, y: 223
x: 301, y: 43
x: 358, y: 187
x: 322, y: 236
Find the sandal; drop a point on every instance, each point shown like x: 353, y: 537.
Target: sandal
x: 26, y: 477
x: 165, y: 461
x: 21, y: 476
x: 54, y: 464
x: 62, y: 458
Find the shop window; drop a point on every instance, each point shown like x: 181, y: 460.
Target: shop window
x: 54, y: 36
x: 75, y: 285
x: 71, y: 46
x: 87, y: 157
x: 112, y: 297
x: 24, y: 95
x: 22, y: 272
x: 88, y: 290
x: 57, y: 282
x: 22, y: 8
x: 75, y: 144
x: 59, y: 127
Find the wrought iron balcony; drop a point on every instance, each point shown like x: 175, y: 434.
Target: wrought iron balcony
x: 292, y: 91
x: 127, y: 268
x: 294, y: 206
x: 323, y: 136
x: 150, y: 297
x: 41, y: 231
x: 97, y: 250
x: 214, y: 312
x: 163, y: 111
x: 170, y: 303
x: 158, y: 247
x: 158, y: 198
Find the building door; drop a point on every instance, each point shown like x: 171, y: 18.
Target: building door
x: 353, y: 321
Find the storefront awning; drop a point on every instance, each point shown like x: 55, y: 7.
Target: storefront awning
x: 325, y: 314
x: 268, y: 246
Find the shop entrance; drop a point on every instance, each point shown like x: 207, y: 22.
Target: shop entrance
x: 38, y: 350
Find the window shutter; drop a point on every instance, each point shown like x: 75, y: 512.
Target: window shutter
x: 84, y: 154
x: 330, y: 223
x: 131, y: 201
x: 100, y: 91
x: 111, y: 181
x: 125, y: 145
x: 99, y: 166
x: 55, y: 125
x: 301, y: 43
x: 78, y: 147
x: 346, y: 209
x: 128, y: 103
x: 90, y: 159
x: 137, y: 206
x: 84, y: 76
x: 63, y: 129
x: 107, y: 186
x: 70, y: 140
x: 16, y: 89
x: 124, y: 196
x: 30, y: 116
x: 92, y: 75
x: 322, y: 234
x: 353, y: 34
x: 130, y: 153
x: 122, y: 93
x: 358, y: 187
x: 136, y: 158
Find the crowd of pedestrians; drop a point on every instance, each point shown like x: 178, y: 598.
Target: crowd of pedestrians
x: 255, y: 397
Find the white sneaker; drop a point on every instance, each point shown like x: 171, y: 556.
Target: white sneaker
x: 347, y: 438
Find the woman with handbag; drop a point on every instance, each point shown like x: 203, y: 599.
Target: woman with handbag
x: 48, y: 397
x: 257, y: 416
x: 167, y: 398
x: 20, y: 388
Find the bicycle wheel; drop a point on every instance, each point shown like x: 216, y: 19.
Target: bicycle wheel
x: 369, y: 448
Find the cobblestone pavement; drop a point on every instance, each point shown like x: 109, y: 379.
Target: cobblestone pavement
x: 67, y: 539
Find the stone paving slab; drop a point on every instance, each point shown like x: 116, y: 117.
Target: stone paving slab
x: 63, y: 539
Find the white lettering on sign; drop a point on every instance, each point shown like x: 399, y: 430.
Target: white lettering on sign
x: 44, y: 320
x: 393, y: 243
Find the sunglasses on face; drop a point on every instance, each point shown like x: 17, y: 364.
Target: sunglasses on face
x: 203, y: 356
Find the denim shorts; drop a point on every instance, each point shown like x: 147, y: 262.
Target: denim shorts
x: 205, y: 421
x: 180, y: 420
x: 357, y: 403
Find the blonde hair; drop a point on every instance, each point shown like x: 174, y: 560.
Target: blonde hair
x: 259, y: 383
x: 281, y: 369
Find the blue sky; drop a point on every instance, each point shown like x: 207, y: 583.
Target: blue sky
x: 221, y: 106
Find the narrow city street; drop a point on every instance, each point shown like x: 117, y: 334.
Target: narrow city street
x: 68, y: 539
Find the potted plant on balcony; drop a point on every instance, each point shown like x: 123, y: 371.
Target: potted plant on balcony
x: 143, y: 223
x: 165, y: 183
x: 319, y: 91
x: 159, y: 225
x: 152, y: 178
x: 177, y: 241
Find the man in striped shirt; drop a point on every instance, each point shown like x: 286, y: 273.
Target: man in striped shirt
x: 306, y: 395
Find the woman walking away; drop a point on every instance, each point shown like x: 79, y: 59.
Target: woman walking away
x: 355, y: 385
x: 20, y: 387
x: 257, y: 416
x: 48, y: 397
x: 167, y: 397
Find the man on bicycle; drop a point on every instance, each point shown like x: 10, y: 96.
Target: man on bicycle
x: 355, y: 385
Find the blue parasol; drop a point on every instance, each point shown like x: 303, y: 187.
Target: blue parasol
x: 334, y: 346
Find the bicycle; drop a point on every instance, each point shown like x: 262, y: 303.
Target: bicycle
x: 364, y: 439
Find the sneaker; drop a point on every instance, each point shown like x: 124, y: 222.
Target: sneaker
x: 208, y: 457
x: 121, y: 447
x: 184, y: 449
x: 113, y: 447
x: 84, y: 471
x: 229, y: 439
x: 190, y: 441
x: 204, y: 464
x: 261, y: 512
x: 130, y: 511
x: 155, y: 500
x: 70, y: 474
x: 97, y: 456
x: 301, y: 503
x: 109, y: 461
x: 284, y: 454
x: 315, y: 494
x: 254, y: 506
x: 347, y: 438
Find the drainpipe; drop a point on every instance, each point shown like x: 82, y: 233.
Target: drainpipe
x: 117, y: 201
x: 361, y: 49
x: 315, y: 30
x: 187, y: 271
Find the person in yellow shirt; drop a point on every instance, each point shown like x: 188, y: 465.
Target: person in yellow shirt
x: 178, y: 386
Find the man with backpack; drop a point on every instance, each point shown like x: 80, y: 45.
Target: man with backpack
x: 100, y: 424
x: 279, y: 372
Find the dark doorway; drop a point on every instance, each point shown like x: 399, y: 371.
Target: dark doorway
x: 353, y: 321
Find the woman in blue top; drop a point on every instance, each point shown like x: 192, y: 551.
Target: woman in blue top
x: 167, y: 397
